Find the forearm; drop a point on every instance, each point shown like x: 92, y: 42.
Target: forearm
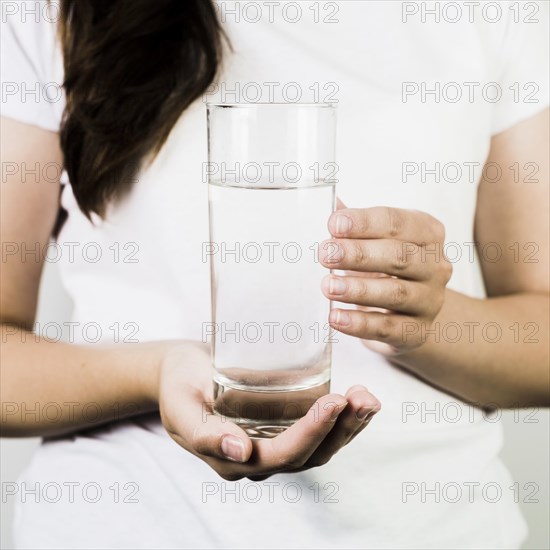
x: 52, y: 388
x: 491, y: 351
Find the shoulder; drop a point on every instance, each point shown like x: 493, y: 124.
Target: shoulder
x: 31, y: 61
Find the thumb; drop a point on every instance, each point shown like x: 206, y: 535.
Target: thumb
x: 218, y: 437
x: 209, y: 434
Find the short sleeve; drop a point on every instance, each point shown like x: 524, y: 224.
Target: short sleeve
x: 31, y: 68
x: 523, y: 68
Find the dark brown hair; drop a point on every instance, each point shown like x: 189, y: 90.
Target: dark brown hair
x: 131, y: 68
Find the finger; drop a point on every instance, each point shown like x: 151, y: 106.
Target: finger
x: 196, y: 428
x: 392, y: 257
x: 361, y: 405
x: 387, y: 293
x: 393, y: 329
x: 367, y: 421
x: 386, y: 223
x: 291, y: 449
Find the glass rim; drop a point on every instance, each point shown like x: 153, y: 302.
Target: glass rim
x: 270, y: 104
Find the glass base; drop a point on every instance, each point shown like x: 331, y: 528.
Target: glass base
x: 262, y: 413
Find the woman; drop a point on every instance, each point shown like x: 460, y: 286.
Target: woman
x: 130, y: 133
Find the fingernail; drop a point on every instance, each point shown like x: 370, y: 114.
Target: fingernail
x: 334, y: 286
x: 233, y: 448
x: 362, y: 413
x: 339, y: 317
x: 337, y: 287
x: 343, y: 224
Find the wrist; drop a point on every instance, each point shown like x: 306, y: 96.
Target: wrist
x: 139, y: 368
x: 152, y: 357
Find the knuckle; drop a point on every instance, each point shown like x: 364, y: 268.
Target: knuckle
x: 359, y: 253
x: 399, y: 295
x: 395, y: 222
x: 361, y: 289
x: 401, y: 259
x: 384, y: 327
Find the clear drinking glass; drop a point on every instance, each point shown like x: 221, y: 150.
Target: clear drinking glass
x: 271, y: 177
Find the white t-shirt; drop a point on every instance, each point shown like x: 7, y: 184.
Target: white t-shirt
x: 426, y: 472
